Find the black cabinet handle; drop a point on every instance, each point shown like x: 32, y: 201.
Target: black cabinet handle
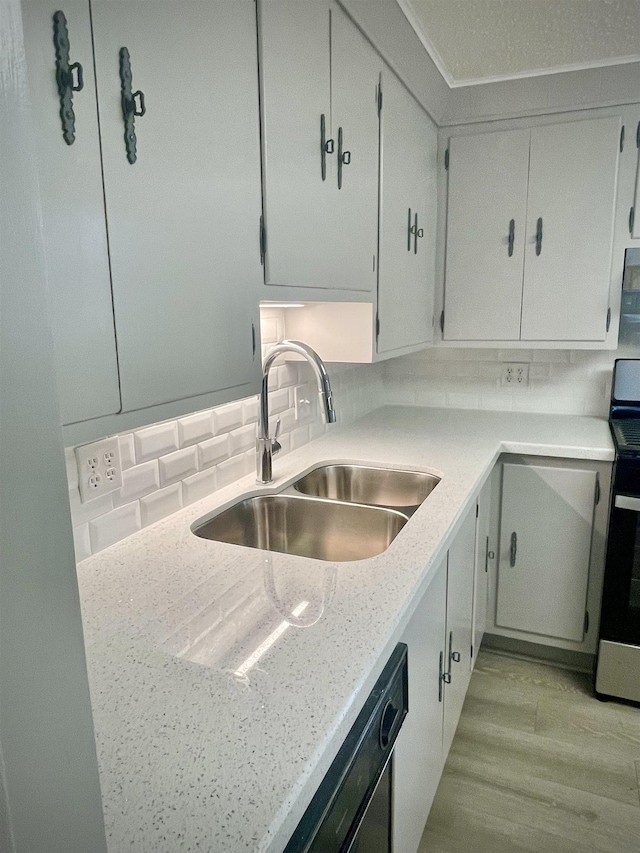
x: 513, y: 550
x: 326, y: 147
x: 133, y: 105
x: 69, y: 77
x: 417, y: 232
x: 409, y: 232
x: 512, y: 234
x: 539, y: 236
x: 344, y: 158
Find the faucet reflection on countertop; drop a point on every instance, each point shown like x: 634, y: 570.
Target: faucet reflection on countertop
x: 266, y: 446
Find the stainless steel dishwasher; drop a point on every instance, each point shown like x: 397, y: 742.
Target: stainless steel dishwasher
x: 351, y: 811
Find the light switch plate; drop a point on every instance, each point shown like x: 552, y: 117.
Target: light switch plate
x: 99, y: 468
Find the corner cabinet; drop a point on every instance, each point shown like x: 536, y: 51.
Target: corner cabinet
x: 440, y: 642
x: 152, y: 206
x: 319, y: 93
x: 552, y: 539
x: 530, y: 233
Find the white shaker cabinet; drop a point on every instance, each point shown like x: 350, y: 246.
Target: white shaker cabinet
x: 74, y: 225
x: 418, y: 754
x: 319, y: 85
x: 184, y: 207
x: 408, y: 213
x: 545, y: 545
x: 530, y: 233
x: 483, y: 554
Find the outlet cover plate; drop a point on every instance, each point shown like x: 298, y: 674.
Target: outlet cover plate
x: 99, y: 468
x: 515, y: 374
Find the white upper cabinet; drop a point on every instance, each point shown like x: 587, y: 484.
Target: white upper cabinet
x: 486, y: 226
x: 408, y: 214
x: 183, y: 202
x: 74, y: 227
x: 355, y: 78
x: 530, y: 233
x: 298, y: 177
x: 571, y: 206
x: 319, y: 79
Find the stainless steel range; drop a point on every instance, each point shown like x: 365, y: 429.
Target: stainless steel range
x: 618, y: 668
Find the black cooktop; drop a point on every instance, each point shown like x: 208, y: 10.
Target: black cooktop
x: 626, y: 435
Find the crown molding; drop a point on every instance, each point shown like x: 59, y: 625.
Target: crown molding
x: 455, y: 83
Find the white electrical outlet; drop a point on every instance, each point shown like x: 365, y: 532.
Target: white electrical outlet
x: 515, y: 374
x: 304, y: 404
x: 99, y: 468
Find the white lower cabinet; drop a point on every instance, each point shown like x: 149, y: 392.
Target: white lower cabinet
x: 438, y: 638
x: 419, y: 756
x: 552, y: 536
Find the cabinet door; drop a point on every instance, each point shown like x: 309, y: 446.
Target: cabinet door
x: 184, y: 217
x: 295, y: 69
x: 418, y: 754
x: 487, y: 192
x: 572, y: 191
x: 408, y: 163
x: 355, y: 77
x: 481, y: 570
x: 74, y: 225
x: 545, y: 544
x: 461, y: 562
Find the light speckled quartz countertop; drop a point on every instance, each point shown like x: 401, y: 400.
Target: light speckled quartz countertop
x: 215, y: 719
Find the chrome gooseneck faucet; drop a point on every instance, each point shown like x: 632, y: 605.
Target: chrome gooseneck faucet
x: 266, y: 446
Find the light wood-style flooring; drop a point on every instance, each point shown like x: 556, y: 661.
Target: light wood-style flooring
x: 538, y: 764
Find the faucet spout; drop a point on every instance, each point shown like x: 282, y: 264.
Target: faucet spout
x: 266, y: 446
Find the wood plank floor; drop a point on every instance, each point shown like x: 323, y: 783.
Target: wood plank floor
x: 538, y: 766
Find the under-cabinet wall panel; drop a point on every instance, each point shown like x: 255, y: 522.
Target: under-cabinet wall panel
x: 570, y: 215
x: 74, y: 226
x: 184, y: 216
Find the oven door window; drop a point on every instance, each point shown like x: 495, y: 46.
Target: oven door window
x: 621, y: 595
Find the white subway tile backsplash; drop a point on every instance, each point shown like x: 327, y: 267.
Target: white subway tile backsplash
x: 195, y: 428
x: 127, y: 450
x: 114, y: 526
x: 213, y: 451
x: 226, y: 418
x: 199, y: 486
x: 156, y: 440
x: 161, y: 462
x: 138, y: 481
x: 242, y: 439
x: 176, y: 466
x: 160, y: 504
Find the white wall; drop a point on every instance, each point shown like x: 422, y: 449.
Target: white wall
x: 561, y: 381
x: 50, y: 777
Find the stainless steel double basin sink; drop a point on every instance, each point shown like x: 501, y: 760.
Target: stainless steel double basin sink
x: 335, y: 512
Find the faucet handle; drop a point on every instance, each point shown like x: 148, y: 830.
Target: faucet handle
x: 275, y: 444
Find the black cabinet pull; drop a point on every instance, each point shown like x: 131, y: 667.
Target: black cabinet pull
x: 344, y: 158
x: 69, y: 77
x: 539, y: 236
x: 513, y: 549
x: 326, y: 147
x: 512, y: 234
x: 389, y: 716
x: 417, y: 232
x: 409, y: 232
x: 133, y: 105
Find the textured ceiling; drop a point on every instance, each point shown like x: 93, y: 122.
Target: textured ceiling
x: 474, y: 40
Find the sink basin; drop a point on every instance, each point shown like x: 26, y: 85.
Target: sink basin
x: 363, y: 484
x: 307, y: 527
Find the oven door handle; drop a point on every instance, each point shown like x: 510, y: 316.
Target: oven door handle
x: 627, y: 502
